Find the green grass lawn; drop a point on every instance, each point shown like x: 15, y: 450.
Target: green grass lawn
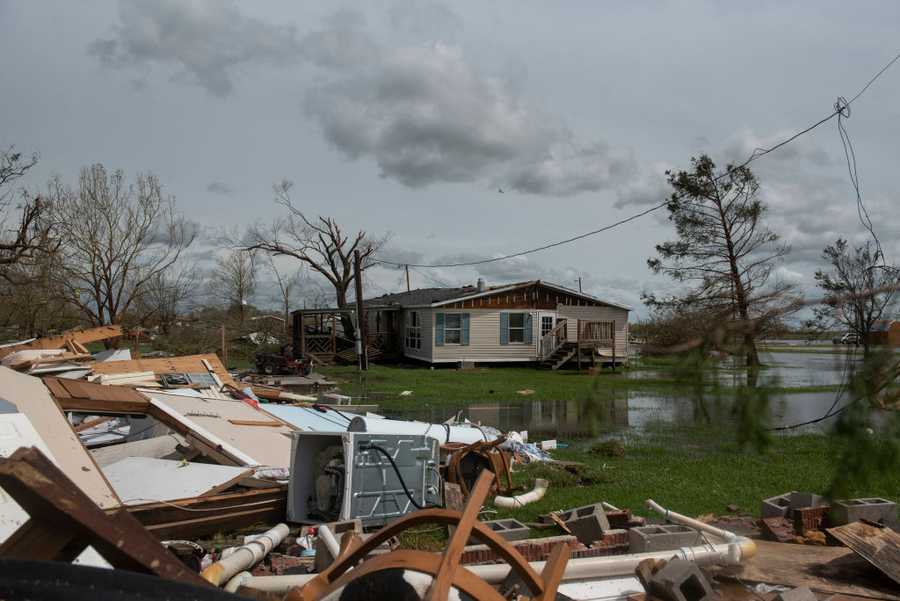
x: 692, y: 478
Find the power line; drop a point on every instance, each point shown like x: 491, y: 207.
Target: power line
x: 840, y: 108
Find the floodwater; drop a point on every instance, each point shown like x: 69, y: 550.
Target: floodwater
x: 634, y: 412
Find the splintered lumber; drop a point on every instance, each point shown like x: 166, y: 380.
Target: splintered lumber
x: 32, y: 398
x: 167, y: 365
x: 879, y: 546
x: 202, y: 516
x: 63, y: 522
x: 81, y: 337
x: 832, y: 570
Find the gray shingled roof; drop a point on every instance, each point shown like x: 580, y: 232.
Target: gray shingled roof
x: 420, y: 296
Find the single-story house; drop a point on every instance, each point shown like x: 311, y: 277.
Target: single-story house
x: 527, y: 322
x: 885, y: 332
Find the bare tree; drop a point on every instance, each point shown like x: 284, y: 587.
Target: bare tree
x: 116, y: 238
x: 859, y: 288
x: 723, y: 248
x: 30, y: 232
x: 319, y: 243
x: 234, y: 280
x: 287, y: 284
x: 166, y: 293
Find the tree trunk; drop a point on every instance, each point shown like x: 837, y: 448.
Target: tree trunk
x: 346, y: 319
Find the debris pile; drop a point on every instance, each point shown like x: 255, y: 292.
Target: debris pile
x: 179, y: 472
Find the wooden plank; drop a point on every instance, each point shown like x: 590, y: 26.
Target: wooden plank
x: 251, y: 422
x: 55, y: 502
x: 186, y: 364
x: 82, y: 336
x: 832, y: 570
x: 78, y: 395
x: 221, y: 503
x: 879, y: 546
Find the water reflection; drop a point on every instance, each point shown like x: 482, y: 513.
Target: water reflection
x: 628, y: 412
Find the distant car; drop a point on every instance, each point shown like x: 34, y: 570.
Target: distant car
x: 847, y: 338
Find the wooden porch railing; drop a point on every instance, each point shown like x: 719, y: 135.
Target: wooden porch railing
x: 553, y: 339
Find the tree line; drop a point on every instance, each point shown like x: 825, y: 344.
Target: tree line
x: 113, y: 249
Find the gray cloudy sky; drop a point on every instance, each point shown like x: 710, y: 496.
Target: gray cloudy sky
x: 409, y: 117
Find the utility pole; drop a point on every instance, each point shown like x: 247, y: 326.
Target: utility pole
x: 224, y: 347
x: 407, y: 278
x: 579, y: 284
x: 360, y: 316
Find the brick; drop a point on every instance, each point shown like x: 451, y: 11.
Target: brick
x: 665, y: 537
x: 810, y: 518
x: 872, y: 509
x: 777, y: 529
x: 619, y: 519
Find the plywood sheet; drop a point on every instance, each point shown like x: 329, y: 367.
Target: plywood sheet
x: 878, y: 545
x: 33, y: 399
x: 185, y: 364
x: 269, y: 446
x: 823, y: 569
x: 79, y: 395
x: 147, y: 479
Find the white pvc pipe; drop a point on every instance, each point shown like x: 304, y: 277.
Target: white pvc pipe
x: 586, y: 568
x: 245, y: 557
x: 442, y: 432
x: 536, y: 494
x: 747, y: 546
x: 327, y: 536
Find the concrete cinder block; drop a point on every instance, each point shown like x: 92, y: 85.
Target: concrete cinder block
x: 509, y: 529
x: 681, y: 580
x: 776, y: 507
x: 587, y: 523
x: 800, y: 500
x: 665, y: 537
x: 873, y: 509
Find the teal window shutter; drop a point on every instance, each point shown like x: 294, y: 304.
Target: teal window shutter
x: 528, y: 328
x: 464, y: 329
x: 439, y: 329
x: 504, y: 328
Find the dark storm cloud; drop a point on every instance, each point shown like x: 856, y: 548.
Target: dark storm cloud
x: 205, y: 41
x: 425, y: 114
x: 220, y: 188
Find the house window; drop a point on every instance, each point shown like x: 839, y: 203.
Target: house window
x: 452, y: 328
x: 546, y: 324
x: 413, y: 330
x: 516, y: 327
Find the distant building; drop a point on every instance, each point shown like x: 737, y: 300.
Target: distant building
x: 885, y: 332
x: 527, y: 322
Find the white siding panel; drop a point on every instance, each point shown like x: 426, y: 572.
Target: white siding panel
x: 620, y: 316
x: 484, y: 339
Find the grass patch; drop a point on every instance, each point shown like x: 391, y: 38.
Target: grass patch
x: 690, y: 472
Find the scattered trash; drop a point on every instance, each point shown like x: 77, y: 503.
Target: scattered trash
x: 525, y: 392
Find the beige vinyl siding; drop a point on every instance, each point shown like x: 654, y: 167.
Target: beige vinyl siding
x: 484, y: 339
x: 426, y: 325
x: 620, y: 316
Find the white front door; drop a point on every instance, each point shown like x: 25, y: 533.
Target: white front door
x: 546, y: 323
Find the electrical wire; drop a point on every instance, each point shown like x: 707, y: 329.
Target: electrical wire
x: 409, y: 496
x: 756, y: 154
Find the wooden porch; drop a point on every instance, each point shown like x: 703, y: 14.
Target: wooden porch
x: 319, y: 335
x: 594, y: 343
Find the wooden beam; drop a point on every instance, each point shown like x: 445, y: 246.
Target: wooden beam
x: 57, y: 342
